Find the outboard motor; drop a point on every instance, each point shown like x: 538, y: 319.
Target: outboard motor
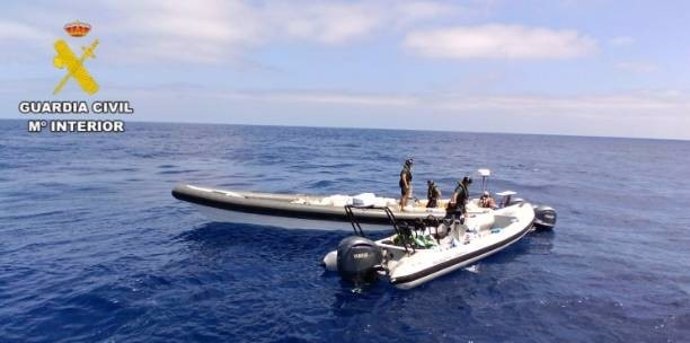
x: 544, y: 217
x: 358, y: 259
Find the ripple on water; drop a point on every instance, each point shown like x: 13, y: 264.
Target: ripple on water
x: 98, y: 250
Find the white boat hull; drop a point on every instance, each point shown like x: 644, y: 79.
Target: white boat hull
x: 463, y: 246
x: 466, y: 263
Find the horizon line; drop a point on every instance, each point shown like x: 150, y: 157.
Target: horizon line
x: 371, y: 128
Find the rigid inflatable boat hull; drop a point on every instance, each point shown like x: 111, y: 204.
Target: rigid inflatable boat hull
x: 414, y: 258
x: 225, y: 216
x: 410, y: 281
x: 284, y: 210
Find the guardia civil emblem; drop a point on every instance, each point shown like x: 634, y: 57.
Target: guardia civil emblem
x: 74, y: 66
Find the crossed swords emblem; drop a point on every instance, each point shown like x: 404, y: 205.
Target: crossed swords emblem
x: 67, y: 59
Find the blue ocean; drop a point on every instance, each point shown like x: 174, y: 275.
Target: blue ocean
x: 93, y: 247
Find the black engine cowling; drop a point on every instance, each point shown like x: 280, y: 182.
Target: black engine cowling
x: 544, y: 217
x: 358, y: 258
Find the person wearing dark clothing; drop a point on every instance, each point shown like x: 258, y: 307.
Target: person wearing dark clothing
x: 460, y: 197
x: 405, y: 183
x: 432, y: 194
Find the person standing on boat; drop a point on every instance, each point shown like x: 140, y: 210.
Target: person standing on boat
x: 405, y: 183
x: 432, y: 194
x: 458, y: 201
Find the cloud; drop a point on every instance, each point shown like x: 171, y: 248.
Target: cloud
x: 329, y: 23
x: 320, y: 97
x: 194, y: 31
x: 20, y: 42
x: 404, y: 13
x: 497, y: 41
x: 618, y: 105
x: 659, y: 114
x: 622, y: 41
x: 210, y: 31
x: 10, y: 30
x: 637, y: 67
x: 627, y: 114
x: 336, y: 22
x: 218, y: 31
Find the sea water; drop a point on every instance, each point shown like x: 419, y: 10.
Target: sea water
x: 94, y: 248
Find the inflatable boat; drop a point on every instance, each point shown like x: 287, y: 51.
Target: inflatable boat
x: 329, y: 212
x: 418, y: 253
x: 297, y: 210
x: 324, y: 212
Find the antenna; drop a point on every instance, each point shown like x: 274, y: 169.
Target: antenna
x: 484, y: 173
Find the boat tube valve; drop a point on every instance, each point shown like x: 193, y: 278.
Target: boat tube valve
x: 544, y: 217
x: 358, y: 259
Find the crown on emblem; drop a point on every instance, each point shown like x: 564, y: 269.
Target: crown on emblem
x: 77, y: 29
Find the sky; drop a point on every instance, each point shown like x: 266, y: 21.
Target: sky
x: 589, y: 67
